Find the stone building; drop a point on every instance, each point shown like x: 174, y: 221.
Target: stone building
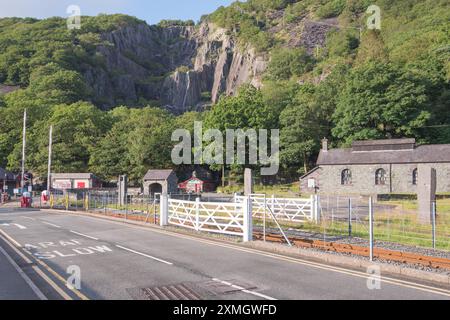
x: 377, y: 167
x: 160, y: 181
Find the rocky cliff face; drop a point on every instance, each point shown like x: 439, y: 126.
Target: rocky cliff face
x: 177, y: 66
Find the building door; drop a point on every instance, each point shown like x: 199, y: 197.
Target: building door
x: 155, y: 188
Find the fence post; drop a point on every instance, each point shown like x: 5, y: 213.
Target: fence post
x: 248, y: 223
x: 164, y: 210
x: 273, y: 204
x: 433, y: 220
x: 371, y: 227
x: 197, y: 214
x: 350, y: 217
x: 315, y: 205
x: 52, y: 201
x: 67, y: 201
x: 86, y: 202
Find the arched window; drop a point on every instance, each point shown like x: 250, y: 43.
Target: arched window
x: 346, y: 177
x: 380, y: 177
x: 415, y: 176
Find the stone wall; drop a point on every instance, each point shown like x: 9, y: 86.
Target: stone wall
x: 399, y: 179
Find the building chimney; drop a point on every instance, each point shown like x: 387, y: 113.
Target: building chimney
x: 325, y: 145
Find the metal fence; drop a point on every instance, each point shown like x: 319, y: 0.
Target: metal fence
x: 395, y: 223
x: 105, y: 202
x: 338, y: 219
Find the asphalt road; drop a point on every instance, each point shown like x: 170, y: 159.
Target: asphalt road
x: 114, y: 260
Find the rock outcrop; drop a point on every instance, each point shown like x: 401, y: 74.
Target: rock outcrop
x: 176, y: 66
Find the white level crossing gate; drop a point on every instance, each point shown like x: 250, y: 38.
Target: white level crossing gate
x: 217, y: 217
x: 235, y: 218
x: 284, y: 209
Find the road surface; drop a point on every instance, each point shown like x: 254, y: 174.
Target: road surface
x: 112, y: 260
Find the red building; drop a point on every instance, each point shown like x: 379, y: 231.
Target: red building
x: 196, y: 185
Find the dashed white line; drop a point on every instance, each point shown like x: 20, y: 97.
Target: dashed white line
x: 244, y: 290
x: 51, y: 224
x: 84, y: 235
x: 144, y: 255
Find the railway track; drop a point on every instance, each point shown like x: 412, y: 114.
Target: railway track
x: 384, y: 254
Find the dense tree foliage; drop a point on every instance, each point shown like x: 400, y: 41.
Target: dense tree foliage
x: 380, y: 101
x: 362, y: 84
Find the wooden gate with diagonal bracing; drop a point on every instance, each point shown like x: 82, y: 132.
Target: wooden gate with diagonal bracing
x: 223, y: 218
x: 284, y: 209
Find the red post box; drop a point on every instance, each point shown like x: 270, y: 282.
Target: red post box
x: 26, y: 200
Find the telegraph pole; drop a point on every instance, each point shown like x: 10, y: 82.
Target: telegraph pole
x: 50, y: 142
x: 22, y: 181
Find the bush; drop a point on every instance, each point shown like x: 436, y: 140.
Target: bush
x: 176, y: 23
x: 287, y: 63
x: 331, y: 9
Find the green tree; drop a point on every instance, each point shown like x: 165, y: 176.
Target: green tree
x: 140, y: 139
x: 305, y: 122
x: 286, y: 63
x: 380, y: 101
x: 245, y: 111
x: 57, y: 86
x: 77, y: 130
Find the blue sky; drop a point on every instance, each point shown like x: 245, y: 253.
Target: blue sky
x: 150, y: 10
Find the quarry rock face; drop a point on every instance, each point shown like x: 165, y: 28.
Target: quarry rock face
x: 175, y: 66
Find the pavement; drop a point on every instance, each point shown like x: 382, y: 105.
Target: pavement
x: 103, y: 259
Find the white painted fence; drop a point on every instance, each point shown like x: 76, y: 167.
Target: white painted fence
x: 284, y: 209
x: 223, y: 218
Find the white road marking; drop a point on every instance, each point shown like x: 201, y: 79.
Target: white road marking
x: 358, y: 274
x: 30, y: 283
x: 21, y: 227
x: 144, y: 255
x: 14, y: 246
x: 84, y: 235
x: 29, y: 218
x: 244, y: 290
x: 51, y: 224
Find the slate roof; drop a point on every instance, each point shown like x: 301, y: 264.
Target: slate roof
x: 421, y: 154
x: 158, y: 174
x: 72, y: 176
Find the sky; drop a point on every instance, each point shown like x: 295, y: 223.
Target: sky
x: 151, y: 11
